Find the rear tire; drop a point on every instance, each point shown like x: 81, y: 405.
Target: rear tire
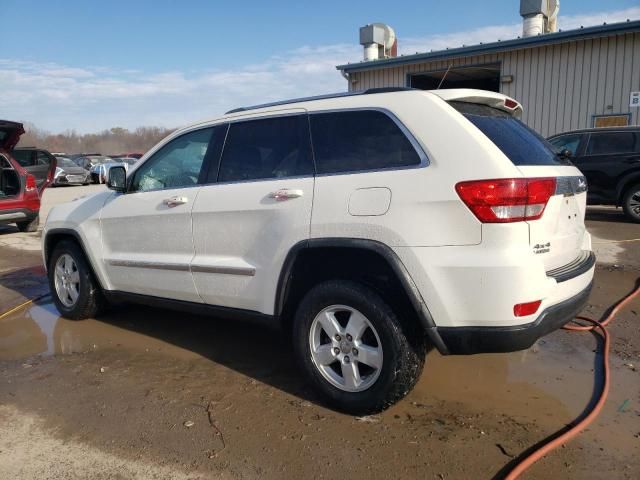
x: 29, y: 226
x: 74, y: 289
x: 631, y: 203
x: 343, y: 364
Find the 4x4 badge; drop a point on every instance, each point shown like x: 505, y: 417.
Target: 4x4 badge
x: 542, y: 248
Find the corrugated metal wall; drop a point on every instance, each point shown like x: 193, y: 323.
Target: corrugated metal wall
x: 560, y: 87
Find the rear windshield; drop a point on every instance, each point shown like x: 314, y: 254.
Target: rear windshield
x: 519, y: 143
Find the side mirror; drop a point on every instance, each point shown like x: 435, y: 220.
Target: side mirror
x: 117, y: 179
x: 565, y: 153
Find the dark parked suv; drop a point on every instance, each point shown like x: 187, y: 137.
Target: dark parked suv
x: 610, y: 159
x: 36, y: 161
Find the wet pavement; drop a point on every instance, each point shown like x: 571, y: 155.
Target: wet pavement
x: 113, y: 398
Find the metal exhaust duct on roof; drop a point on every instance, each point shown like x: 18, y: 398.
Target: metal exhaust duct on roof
x: 539, y: 16
x: 379, y: 41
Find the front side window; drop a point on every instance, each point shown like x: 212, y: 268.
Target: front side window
x: 175, y: 165
x: 359, y: 140
x: 568, y: 142
x: 612, y: 143
x: 266, y: 148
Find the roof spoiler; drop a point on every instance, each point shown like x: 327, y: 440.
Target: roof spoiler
x: 482, y: 97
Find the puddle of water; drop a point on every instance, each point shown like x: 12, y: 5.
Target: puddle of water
x: 39, y: 330
x: 556, y: 376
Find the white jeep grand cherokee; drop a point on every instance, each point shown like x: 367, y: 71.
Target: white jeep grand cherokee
x: 369, y: 225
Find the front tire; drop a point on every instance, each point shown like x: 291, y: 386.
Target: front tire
x: 354, y: 349
x: 29, y: 226
x: 631, y: 203
x: 75, y: 291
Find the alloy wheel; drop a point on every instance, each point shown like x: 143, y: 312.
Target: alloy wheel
x: 67, y: 280
x: 634, y: 203
x: 345, y: 348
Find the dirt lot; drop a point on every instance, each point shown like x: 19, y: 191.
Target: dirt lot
x: 113, y: 398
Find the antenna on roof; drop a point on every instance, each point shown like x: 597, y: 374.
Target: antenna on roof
x: 443, y: 77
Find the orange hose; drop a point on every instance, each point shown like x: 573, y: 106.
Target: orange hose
x: 599, y: 327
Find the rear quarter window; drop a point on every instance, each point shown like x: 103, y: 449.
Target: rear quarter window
x: 361, y: 140
x: 612, y: 143
x: 522, y: 145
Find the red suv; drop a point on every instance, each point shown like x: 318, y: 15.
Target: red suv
x: 20, y: 187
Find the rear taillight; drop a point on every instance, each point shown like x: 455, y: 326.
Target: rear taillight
x: 31, y: 183
x: 507, y: 199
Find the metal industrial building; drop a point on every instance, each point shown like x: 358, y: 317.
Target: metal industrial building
x: 565, y: 80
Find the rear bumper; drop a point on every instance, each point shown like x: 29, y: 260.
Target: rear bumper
x: 17, y: 215
x: 470, y: 340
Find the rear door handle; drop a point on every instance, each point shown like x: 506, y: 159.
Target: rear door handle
x: 286, y: 194
x: 175, y: 201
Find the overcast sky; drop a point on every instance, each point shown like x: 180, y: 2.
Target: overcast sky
x: 94, y: 65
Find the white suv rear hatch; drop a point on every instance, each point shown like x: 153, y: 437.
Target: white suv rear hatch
x: 558, y: 235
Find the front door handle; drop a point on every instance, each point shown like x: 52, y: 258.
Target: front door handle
x: 175, y: 201
x: 285, y: 194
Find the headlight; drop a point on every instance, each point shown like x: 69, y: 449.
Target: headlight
x: 59, y: 172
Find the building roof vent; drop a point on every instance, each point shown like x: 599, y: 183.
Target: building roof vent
x: 539, y: 16
x: 379, y: 41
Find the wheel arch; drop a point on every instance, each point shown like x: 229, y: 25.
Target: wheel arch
x: 348, y: 253
x: 626, y: 182
x: 55, y: 236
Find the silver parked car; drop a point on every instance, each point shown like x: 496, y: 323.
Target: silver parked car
x: 69, y: 173
x: 100, y: 172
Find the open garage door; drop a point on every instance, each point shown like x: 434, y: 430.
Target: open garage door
x: 483, y: 77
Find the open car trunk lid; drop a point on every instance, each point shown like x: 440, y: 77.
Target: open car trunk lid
x: 10, y: 133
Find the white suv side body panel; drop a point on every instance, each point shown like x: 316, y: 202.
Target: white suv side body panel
x: 147, y: 245
x: 425, y: 209
x: 82, y: 216
x: 242, y: 237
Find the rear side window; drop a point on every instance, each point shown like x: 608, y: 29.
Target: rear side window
x: 519, y: 143
x: 23, y: 157
x: 266, y: 148
x: 353, y: 141
x: 612, y: 143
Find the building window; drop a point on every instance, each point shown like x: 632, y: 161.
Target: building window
x: 618, y: 120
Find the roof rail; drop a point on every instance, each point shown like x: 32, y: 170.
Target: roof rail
x: 320, y: 97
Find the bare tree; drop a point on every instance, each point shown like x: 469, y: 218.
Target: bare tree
x: 115, y: 141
